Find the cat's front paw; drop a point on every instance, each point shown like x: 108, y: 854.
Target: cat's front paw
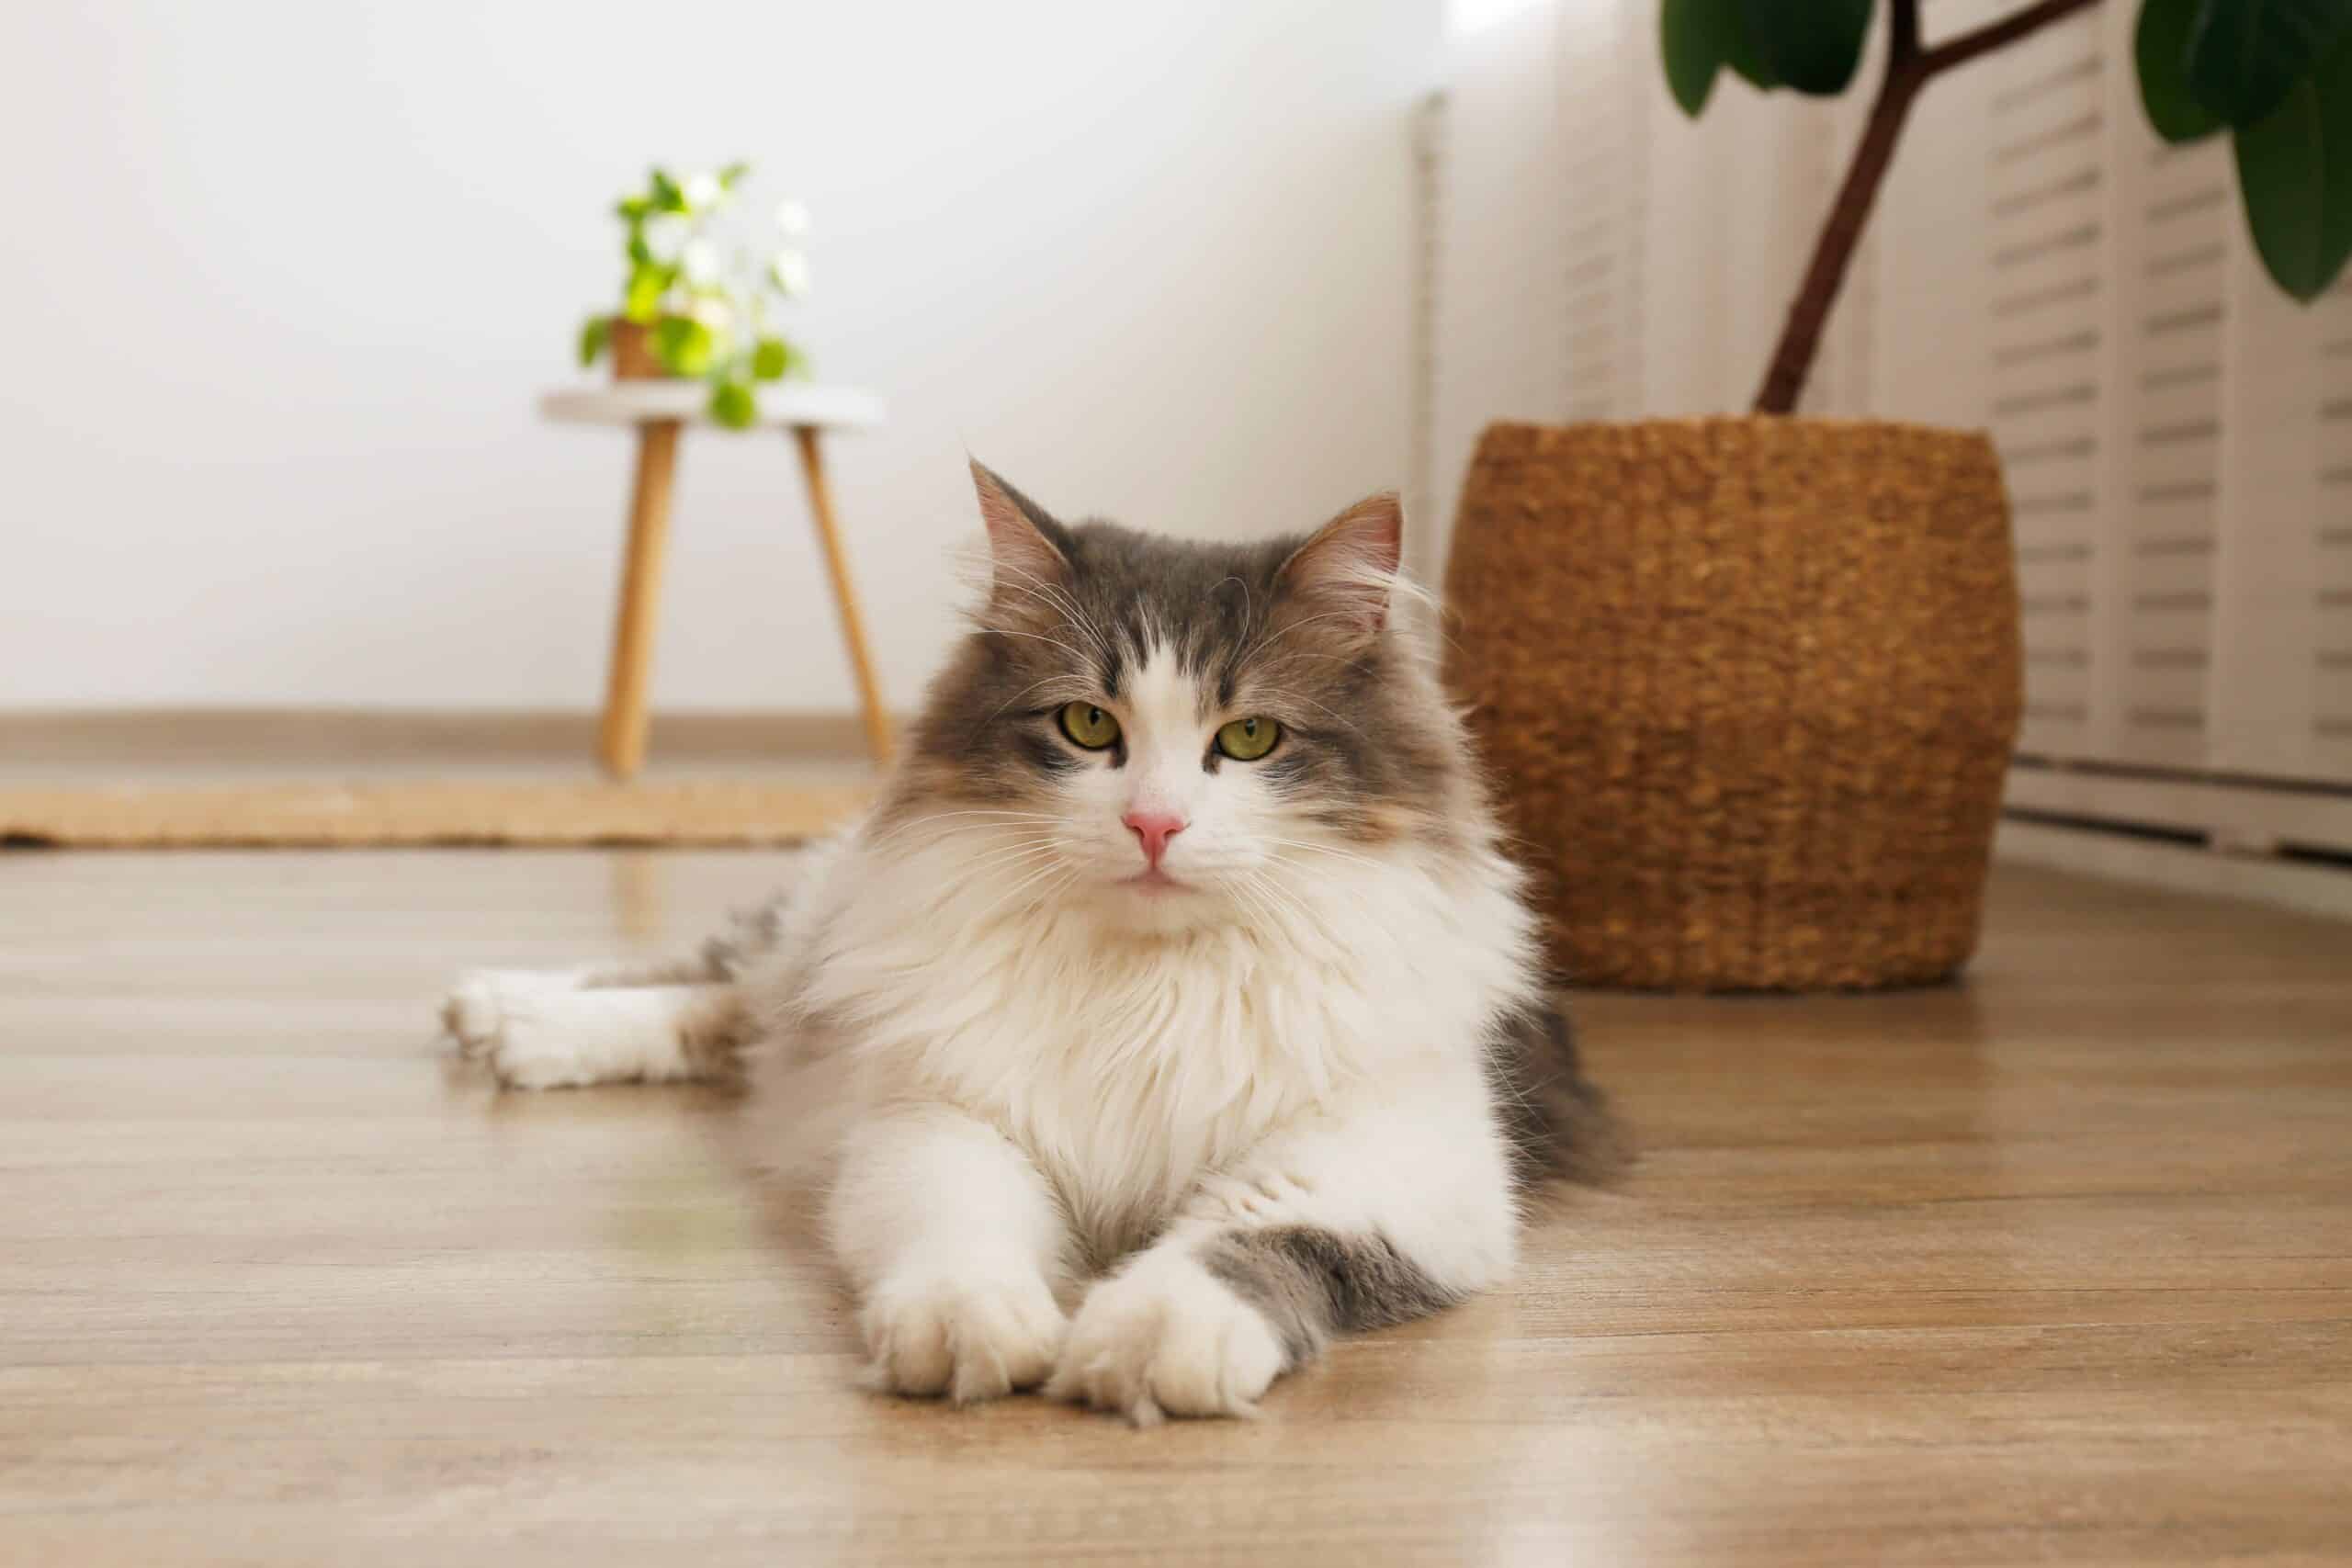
x: 1168, y: 1338
x: 970, y: 1339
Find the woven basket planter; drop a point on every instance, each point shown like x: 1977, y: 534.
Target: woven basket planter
x: 1750, y: 686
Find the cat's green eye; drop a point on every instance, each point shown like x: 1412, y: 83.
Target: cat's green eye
x: 1247, y: 740
x: 1089, y: 725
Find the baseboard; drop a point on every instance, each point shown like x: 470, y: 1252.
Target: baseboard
x: 2243, y: 814
x: 2313, y: 889
x: 294, y: 736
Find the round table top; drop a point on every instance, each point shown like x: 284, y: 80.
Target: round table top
x: 783, y: 403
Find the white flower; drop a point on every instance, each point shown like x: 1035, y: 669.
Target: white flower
x: 712, y: 311
x: 790, y: 270
x: 701, y: 190
x: 699, y: 261
x: 791, y: 219
x: 666, y: 235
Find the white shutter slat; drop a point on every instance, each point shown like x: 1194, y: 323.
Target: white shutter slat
x: 2045, y: 237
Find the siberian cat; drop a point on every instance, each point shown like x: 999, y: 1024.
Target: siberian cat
x: 1180, y: 955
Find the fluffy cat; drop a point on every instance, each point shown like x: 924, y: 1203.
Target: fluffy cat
x: 1180, y: 955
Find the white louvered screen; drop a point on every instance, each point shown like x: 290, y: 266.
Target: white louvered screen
x: 2331, y: 650
x: 2177, y: 436
x: 2173, y: 209
x: 2049, y: 394
x: 1604, y: 157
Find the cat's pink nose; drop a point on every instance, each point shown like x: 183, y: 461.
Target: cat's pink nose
x: 1154, y: 828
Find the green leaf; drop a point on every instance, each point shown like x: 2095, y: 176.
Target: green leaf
x: 771, y: 357
x: 594, y: 334
x: 640, y: 252
x: 1741, y: 51
x: 733, y: 405
x: 733, y: 173
x: 684, y: 345
x: 1813, y: 46
x: 2244, y: 54
x: 2161, y: 43
x: 632, y: 209
x: 1693, y: 40
x: 2295, y: 171
x: 646, y: 287
x: 667, y: 197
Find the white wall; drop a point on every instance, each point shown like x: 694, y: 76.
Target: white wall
x: 281, y: 280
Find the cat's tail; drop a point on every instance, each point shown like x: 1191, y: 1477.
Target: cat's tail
x: 1560, y: 1125
x: 568, y: 1029
x: 683, y: 1019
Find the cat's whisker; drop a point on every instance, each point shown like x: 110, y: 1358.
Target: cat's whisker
x: 1032, y: 637
x: 1052, y: 593
x: 989, y: 914
x: 1002, y: 817
x: 999, y: 860
x: 1063, y: 613
x: 1262, y: 908
x: 1287, y: 628
x: 1285, y: 694
x: 999, y: 711
x: 1286, y: 902
x: 1362, y: 860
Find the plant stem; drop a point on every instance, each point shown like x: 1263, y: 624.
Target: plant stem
x: 1997, y: 35
x: 1908, y: 69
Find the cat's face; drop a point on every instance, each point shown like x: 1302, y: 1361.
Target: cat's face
x: 1180, y: 732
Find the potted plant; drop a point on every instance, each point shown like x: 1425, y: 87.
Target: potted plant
x: 695, y: 305
x: 1753, y: 682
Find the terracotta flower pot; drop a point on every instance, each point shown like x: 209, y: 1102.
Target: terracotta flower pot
x: 633, y: 355
x: 1750, y: 686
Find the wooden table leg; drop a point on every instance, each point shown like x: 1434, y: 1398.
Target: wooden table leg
x: 861, y: 659
x: 623, y: 741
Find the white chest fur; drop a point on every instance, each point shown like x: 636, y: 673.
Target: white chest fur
x: 1129, y: 1065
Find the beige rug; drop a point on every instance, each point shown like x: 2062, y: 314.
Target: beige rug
x: 707, y: 812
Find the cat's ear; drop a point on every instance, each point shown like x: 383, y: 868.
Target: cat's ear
x: 1026, y: 549
x: 1348, y: 569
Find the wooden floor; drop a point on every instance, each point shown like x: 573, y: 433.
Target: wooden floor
x: 2054, y: 1267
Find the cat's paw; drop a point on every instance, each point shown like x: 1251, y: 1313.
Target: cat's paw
x: 500, y: 1017
x: 1168, y: 1338
x: 964, y: 1338
x: 469, y: 1012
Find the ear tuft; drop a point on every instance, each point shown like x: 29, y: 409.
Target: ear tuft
x: 1348, y: 568
x: 1026, y: 549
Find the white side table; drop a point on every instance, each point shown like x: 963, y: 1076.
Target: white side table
x: 659, y: 409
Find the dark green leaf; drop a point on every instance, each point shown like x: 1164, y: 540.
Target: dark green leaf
x: 1693, y: 43
x: 594, y: 333
x: 771, y: 358
x: 1742, y: 52
x: 733, y: 405
x: 2244, y: 54
x: 1697, y: 38
x: 1811, y: 45
x: 632, y: 209
x: 684, y: 345
x: 2161, y: 44
x: 2295, y: 171
x: 667, y: 197
x: 640, y: 252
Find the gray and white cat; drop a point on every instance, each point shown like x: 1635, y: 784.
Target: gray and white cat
x: 1175, y: 1009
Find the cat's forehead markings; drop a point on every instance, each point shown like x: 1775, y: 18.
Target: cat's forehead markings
x: 1162, y: 700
